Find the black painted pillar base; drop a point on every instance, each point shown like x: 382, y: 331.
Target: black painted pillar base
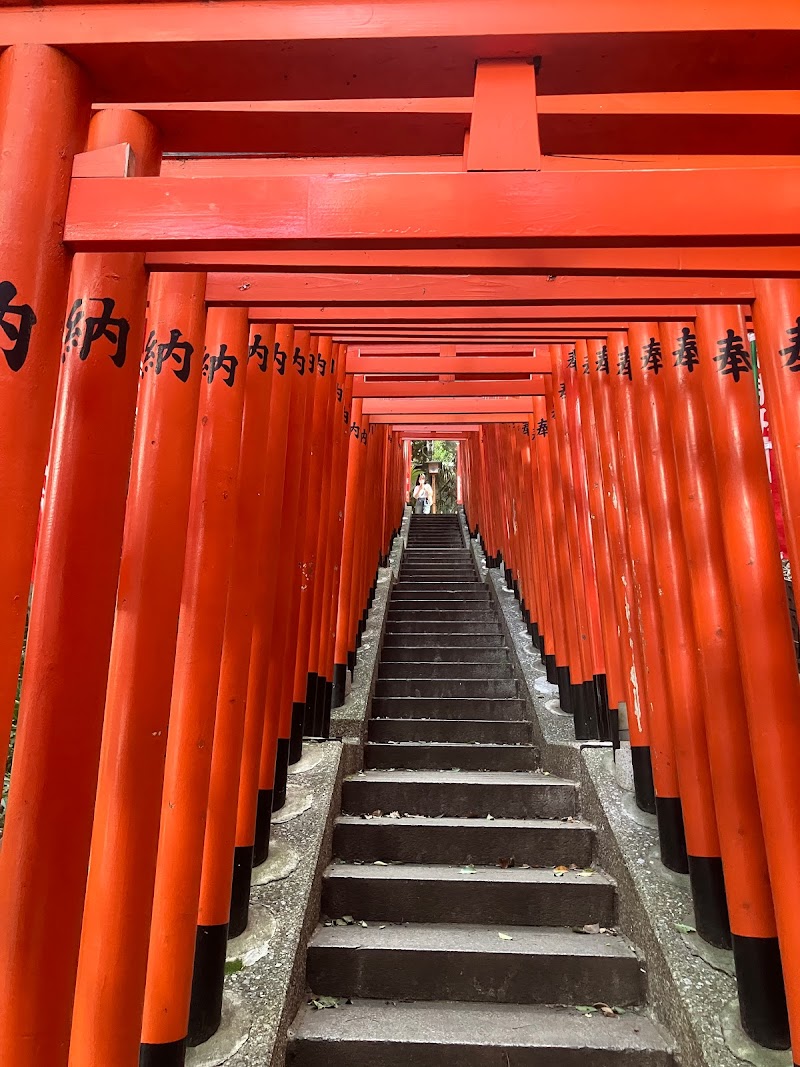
x: 671, y: 836
x: 643, y: 784
x: 590, y: 702
x: 310, y: 707
x: 351, y: 661
x: 762, y: 1000
x: 281, y: 773
x: 533, y: 630
x: 171, y: 1054
x: 710, y: 903
x: 339, y: 684
x: 515, y: 587
x: 564, y: 689
x: 240, y: 887
x: 265, y: 805
x: 613, y: 714
x: 208, y: 978
x: 582, y: 712
x: 326, y: 710
x: 509, y: 576
x: 319, y: 705
x: 296, y: 740
x: 603, y: 711
x: 551, y: 671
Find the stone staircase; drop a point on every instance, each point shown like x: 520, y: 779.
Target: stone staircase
x: 464, y: 924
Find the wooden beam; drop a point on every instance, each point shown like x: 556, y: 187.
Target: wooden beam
x: 470, y: 314
x: 412, y: 419
x: 449, y: 406
x: 488, y: 365
x: 316, y: 289
x: 273, y: 49
x: 375, y: 388
x: 521, y: 208
x: 697, y: 123
x: 734, y: 262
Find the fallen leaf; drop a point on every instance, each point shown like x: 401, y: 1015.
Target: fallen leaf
x: 682, y: 928
x: 586, y: 1009
x: 362, y: 923
x: 505, y: 937
x: 589, y: 928
x: 586, y: 873
x: 233, y: 966
x: 320, y: 1003
x: 560, y: 871
x: 489, y: 818
x: 380, y: 863
x: 605, y: 1009
x: 468, y: 870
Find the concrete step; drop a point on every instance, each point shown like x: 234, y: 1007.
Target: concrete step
x: 443, y: 654
x: 448, y: 708
x: 446, y: 687
x: 437, y: 554
x: 417, y: 893
x: 439, y: 577
x: 415, y: 592
x: 471, y: 963
x: 416, y: 839
x: 460, y: 794
x: 440, y: 612
x: 409, y: 628
x: 451, y: 669
x: 456, y: 731
x: 403, y: 639
x: 423, y: 755
x: 386, y: 1034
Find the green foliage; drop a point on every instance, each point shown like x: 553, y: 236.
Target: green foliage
x: 444, y: 453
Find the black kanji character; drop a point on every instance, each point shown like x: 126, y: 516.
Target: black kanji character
x: 562, y: 389
x: 18, y: 332
x: 280, y: 358
x: 793, y: 350
x: 572, y: 359
x: 733, y: 358
x: 157, y: 354
x: 259, y: 352
x: 686, y: 352
x: 651, y: 360
x: 220, y: 363
x: 586, y: 362
x: 312, y: 361
x: 624, y: 365
x: 541, y: 428
x: 354, y: 429
x: 95, y: 327
x: 322, y: 363
x: 364, y: 436
x: 602, y: 360
x: 299, y: 361
x: 346, y: 414
x: 526, y: 429
x: 339, y: 393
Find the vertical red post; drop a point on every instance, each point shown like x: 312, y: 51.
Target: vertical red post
x: 46, y: 844
x: 671, y: 571
x: 261, y: 730
x: 645, y: 603
x: 761, y: 618
x: 218, y: 847
x: 194, y: 692
x: 107, y: 1019
x: 634, y: 724
x: 776, y: 315
x: 752, y: 919
x: 44, y: 112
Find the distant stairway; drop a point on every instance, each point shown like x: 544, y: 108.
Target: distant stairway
x: 464, y: 922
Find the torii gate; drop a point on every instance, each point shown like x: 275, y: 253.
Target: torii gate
x: 437, y: 211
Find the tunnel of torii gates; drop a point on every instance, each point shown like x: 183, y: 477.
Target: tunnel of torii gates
x: 248, y: 250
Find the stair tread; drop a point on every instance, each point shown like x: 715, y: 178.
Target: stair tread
x: 533, y: 779
x: 478, y: 1025
x: 454, y: 821
x: 479, y: 745
x: 471, y: 938
x: 431, y: 872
